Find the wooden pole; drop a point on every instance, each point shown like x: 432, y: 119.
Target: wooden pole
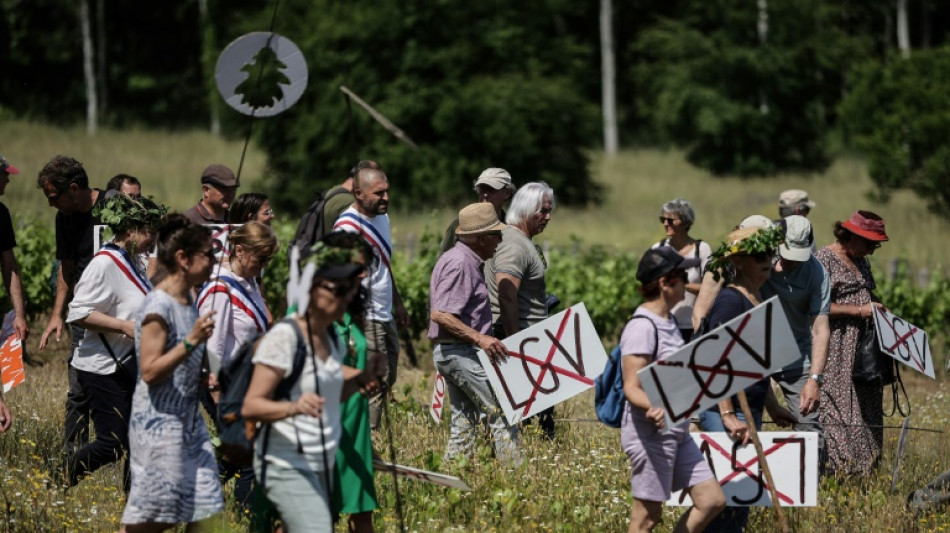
x: 401, y: 135
x: 763, y: 465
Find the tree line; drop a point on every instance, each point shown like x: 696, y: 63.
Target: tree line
x: 750, y: 88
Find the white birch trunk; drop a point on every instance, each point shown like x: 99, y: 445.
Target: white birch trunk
x: 903, y: 29
x: 608, y: 78
x: 92, y: 113
x: 208, y: 65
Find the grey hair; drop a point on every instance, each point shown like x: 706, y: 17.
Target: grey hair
x: 682, y: 208
x: 528, y: 201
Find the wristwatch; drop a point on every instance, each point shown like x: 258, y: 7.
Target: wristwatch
x: 819, y: 379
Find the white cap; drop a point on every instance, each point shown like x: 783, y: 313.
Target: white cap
x: 798, y: 239
x: 756, y: 221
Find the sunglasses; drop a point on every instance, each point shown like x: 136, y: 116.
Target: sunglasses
x: 268, y: 212
x: 668, y: 220
x: 339, y: 288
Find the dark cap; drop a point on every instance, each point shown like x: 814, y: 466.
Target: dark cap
x: 219, y: 175
x: 658, y: 262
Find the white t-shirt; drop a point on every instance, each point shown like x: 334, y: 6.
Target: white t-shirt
x: 277, y: 349
x: 379, y: 282
x: 111, y: 290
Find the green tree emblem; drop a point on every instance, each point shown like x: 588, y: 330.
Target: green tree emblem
x: 262, y: 88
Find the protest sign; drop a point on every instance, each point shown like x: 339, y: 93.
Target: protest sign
x: 421, y: 475
x: 792, y: 457
x: 261, y: 74
x: 721, y: 363
x: 438, y: 398
x: 903, y: 341
x: 547, y: 363
x: 11, y: 363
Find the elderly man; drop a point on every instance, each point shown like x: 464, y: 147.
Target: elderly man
x: 218, y: 187
x: 125, y: 184
x: 803, y: 287
x: 515, y: 275
x: 461, y: 322
x: 368, y: 217
x: 494, y: 186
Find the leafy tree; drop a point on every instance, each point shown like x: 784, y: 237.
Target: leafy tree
x: 898, y: 113
x: 473, y: 84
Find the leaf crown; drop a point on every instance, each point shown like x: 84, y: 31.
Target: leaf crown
x: 122, y: 212
x: 742, y: 242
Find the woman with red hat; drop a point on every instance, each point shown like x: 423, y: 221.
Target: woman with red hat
x: 852, y: 411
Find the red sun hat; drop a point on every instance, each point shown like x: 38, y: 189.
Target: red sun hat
x: 7, y: 167
x: 867, y: 225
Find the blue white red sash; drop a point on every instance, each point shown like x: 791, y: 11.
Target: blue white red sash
x: 369, y: 233
x: 123, y: 260
x: 239, y: 298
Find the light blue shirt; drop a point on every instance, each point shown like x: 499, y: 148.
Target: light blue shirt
x: 805, y: 292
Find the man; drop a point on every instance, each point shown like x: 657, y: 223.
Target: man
x: 340, y: 198
x: 66, y: 186
x: 368, y: 217
x: 125, y: 184
x: 803, y: 287
x: 12, y: 279
x: 218, y: 187
x: 515, y: 275
x: 494, y: 186
x: 461, y: 323
x: 794, y: 202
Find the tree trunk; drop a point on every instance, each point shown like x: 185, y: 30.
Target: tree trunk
x: 101, y: 56
x: 608, y: 77
x: 208, y: 63
x: 762, y: 30
x: 903, y: 29
x: 88, y: 69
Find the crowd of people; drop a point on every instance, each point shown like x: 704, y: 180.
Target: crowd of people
x: 151, y: 331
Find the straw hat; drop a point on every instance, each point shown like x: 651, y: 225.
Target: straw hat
x: 478, y: 219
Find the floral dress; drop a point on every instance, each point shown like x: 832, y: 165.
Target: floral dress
x: 852, y: 413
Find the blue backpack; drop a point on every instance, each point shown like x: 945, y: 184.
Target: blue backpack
x: 609, y: 399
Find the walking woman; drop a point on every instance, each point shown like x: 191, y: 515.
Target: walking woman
x: 174, y: 472
x: 236, y: 297
x: 108, y: 294
x: 295, y: 450
x: 852, y: 410
x: 251, y: 207
x: 661, y: 461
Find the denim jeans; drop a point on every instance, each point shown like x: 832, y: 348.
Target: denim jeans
x: 792, y: 381
x: 473, y: 404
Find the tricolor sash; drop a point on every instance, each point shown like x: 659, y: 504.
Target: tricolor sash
x: 123, y: 260
x: 239, y: 298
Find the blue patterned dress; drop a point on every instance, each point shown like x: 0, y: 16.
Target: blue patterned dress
x: 174, y: 472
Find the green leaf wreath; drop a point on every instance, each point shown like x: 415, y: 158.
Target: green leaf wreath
x: 763, y: 240
x: 122, y: 212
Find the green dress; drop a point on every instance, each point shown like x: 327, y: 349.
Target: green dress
x: 353, y: 478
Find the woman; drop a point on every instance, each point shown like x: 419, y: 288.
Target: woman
x: 251, y: 207
x: 108, y: 294
x: 235, y: 296
x: 677, y: 218
x: 174, y: 472
x: 304, y: 430
x: 661, y: 461
x: 851, y: 412
x: 749, y: 252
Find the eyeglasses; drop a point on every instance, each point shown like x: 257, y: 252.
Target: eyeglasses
x: 668, y: 220
x: 874, y: 245
x: 268, y: 212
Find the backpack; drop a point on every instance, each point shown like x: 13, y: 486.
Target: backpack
x: 237, y: 434
x: 310, y: 228
x: 609, y: 399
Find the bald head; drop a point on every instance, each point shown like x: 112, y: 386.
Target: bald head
x: 372, y: 192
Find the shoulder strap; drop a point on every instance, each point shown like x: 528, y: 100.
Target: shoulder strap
x: 283, y: 388
x: 696, y: 248
x: 656, y: 333
x: 118, y: 365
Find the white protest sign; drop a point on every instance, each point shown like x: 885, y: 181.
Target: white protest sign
x: 903, y: 341
x: 721, y: 363
x: 422, y: 475
x: 249, y: 86
x: 438, y: 398
x: 793, y: 462
x: 547, y: 363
